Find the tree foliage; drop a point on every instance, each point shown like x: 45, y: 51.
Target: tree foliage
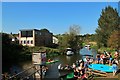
x: 70, y: 39
x: 12, y: 52
x: 107, y: 23
x: 114, y: 40
x: 44, y: 30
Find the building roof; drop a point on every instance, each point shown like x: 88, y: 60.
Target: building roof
x: 29, y: 29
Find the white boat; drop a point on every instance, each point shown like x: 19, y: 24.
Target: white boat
x: 69, y: 52
x: 87, y: 46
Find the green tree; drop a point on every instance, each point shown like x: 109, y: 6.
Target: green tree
x: 12, y: 52
x: 114, y: 40
x: 72, y: 37
x: 62, y: 42
x: 107, y: 23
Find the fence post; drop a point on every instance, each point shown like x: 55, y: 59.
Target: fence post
x: 41, y: 72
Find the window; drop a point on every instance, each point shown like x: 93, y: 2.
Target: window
x: 36, y: 32
x: 24, y: 42
x: 28, y: 42
x: 21, y: 42
x: 31, y: 41
x: 40, y: 33
x: 27, y: 33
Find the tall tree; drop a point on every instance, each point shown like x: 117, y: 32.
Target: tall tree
x: 107, y: 23
x: 72, y: 37
x: 12, y: 52
x: 114, y: 40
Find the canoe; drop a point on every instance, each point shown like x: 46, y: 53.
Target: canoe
x: 53, y: 61
x: 70, y: 75
x: 101, y: 67
x: 64, y: 73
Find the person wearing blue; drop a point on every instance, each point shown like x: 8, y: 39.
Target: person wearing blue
x: 115, y: 68
x: 110, y: 58
x: 98, y: 58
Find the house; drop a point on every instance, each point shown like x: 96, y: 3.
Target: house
x: 14, y: 38
x: 34, y: 37
x: 55, y: 40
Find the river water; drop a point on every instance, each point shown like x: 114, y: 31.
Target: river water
x: 52, y: 71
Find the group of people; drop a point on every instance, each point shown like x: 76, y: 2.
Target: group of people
x: 80, y: 67
x: 106, y: 57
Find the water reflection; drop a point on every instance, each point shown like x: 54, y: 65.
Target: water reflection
x: 68, y: 58
x: 63, y: 59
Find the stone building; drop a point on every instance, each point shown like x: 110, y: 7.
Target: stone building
x: 34, y: 37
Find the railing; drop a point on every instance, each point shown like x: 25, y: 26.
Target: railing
x: 21, y: 75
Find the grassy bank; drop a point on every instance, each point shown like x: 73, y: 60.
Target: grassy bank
x: 50, y: 52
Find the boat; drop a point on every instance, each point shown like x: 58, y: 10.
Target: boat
x: 101, y: 67
x: 69, y: 52
x: 87, y: 46
x: 70, y: 76
x: 66, y: 74
x: 66, y: 70
x: 53, y: 61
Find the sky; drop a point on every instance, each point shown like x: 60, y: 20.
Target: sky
x: 57, y: 17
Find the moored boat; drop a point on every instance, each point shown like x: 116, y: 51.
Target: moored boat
x: 52, y: 61
x: 101, y: 67
x: 87, y: 46
x: 70, y: 76
x: 69, y: 52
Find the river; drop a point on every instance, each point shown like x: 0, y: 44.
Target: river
x: 52, y: 71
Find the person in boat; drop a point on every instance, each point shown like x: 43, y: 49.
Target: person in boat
x: 73, y: 66
x: 86, y: 59
x: 80, y: 68
x: 49, y: 60
x: 76, y: 74
x: 67, y: 67
x: 82, y: 74
x: 86, y: 66
x: 91, y: 60
x: 102, y: 58
x: 60, y: 67
x: 80, y: 61
x: 77, y: 63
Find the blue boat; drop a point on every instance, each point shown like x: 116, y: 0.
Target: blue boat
x: 101, y: 67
